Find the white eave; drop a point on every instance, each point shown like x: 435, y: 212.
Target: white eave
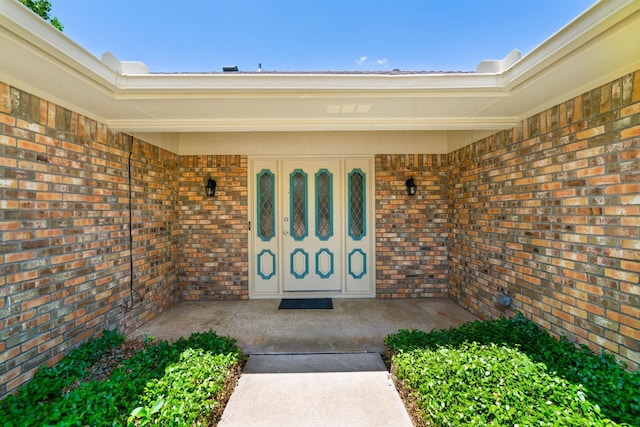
x: 598, y: 46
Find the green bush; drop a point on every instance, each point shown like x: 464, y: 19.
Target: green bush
x: 106, y: 401
x: 48, y: 382
x: 605, y: 382
x: 186, y: 394
x: 490, y: 385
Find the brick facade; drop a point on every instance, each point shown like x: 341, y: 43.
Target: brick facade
x: 214, y: 237
x: 64, y: 227
x: 547, y: 211
x: 411, y: 231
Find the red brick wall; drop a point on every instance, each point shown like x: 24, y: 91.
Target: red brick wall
x: 411, y: 231
x: 549, y: 211
x: 64, y: 229
x: 214, y: 244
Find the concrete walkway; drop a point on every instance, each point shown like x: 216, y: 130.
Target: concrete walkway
x: 315, y: 390
x: 310, y: 367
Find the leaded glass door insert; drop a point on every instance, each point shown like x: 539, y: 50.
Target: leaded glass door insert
x: 299, y: 203
x: 357, y: 204
x: 324, y: 204
x: 266, y: 205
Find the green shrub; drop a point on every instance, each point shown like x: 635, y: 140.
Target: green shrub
x: 606, y: 383
x: 490, y: 385
x: 48, y: 382
x: 187, y: 393
x: 107, y: 401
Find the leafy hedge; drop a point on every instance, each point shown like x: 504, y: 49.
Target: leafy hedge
x: 46, y: 401
x: 604, y: 383
x: 188, y: 391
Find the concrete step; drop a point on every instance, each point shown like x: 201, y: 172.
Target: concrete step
x: 314, y: 362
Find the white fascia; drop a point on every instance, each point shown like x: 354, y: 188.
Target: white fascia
x: 166, y: 85
x: 599, y: 18
x: 18, y: 19
x: 40, y: 34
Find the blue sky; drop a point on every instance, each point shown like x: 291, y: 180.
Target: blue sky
x: 310, y: 35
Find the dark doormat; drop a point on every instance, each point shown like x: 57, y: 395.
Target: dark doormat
x: 306, y: 304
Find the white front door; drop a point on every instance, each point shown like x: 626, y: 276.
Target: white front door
x: 311, y: 229
x: 312, y: 226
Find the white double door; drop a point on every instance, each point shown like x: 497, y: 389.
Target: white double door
x: 311, y: 228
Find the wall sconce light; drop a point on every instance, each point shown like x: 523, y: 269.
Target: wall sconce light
x: 211, y: 187
x: 411, y: 187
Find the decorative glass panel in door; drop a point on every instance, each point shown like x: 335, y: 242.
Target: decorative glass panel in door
x: 357, y: 206
x: 298, y: 207
x: 324, y: 204
x: 266, y: 205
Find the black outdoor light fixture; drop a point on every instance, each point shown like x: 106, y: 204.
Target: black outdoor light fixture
x: 211, y: 187
x: 411, y: 187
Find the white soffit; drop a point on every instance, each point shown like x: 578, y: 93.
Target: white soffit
x: 596, y: 47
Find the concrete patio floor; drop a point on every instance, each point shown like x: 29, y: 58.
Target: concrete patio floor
x: 353, y: 325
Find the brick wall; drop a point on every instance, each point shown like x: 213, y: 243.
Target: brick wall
x: 549, y: 212
x: 155, y: 232
x: 64, y: 232
x: 214, y: 244
x: 411, y: 231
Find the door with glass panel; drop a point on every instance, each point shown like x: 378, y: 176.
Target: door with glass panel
x: 312, y: 226
x: 311, y: 230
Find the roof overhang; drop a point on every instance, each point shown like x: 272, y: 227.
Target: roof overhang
x: 596, y: 47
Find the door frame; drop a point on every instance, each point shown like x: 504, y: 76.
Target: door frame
x: 276, y: 290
